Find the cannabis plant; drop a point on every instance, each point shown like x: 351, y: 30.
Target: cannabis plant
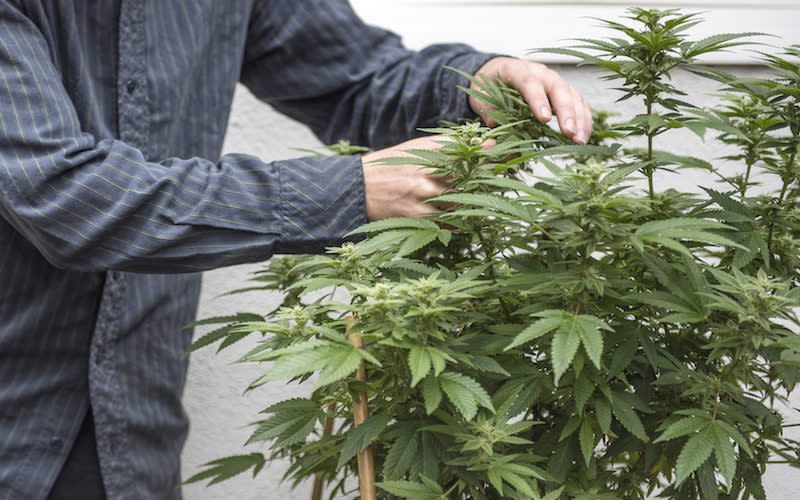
x: 556, y: 332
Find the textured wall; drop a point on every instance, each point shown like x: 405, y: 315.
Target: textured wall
x: 220, y: 415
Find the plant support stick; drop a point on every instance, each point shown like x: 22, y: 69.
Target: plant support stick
x: 366, y: 462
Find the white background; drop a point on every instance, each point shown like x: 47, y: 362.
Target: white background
x: 220, y: 415
x: 515, y: 27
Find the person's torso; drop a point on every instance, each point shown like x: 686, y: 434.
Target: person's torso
x: 160, y: 75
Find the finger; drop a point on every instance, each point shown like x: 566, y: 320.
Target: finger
x: 482, y: 109
x: 431, y: 187
x: 581, y: 121
x: 427, y: 208
x: 527, y: 80
x: 589, y: 119
x: 534, y: 94
x: 563, y: 101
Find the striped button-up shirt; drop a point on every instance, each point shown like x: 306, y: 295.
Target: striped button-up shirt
x: 113, y: 196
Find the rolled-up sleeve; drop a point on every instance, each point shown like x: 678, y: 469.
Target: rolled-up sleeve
x: 89, y: 204
x: 317, y: 62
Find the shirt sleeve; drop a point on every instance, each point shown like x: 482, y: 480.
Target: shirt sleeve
x: 95, y: 205
x: 317, y: 62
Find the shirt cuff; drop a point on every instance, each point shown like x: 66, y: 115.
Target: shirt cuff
x: 322, y: 199
x: 454, y: 102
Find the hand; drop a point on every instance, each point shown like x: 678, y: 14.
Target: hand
x: 544, y: 91
x: 401, y: 190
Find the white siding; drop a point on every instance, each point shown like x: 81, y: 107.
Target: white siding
x: 516, y: 26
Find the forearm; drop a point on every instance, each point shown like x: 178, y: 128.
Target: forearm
x: 102, y: 206
x: 317, y: 62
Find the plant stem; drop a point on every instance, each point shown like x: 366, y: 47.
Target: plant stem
x: 327, y: 430
x: 450, y: 490
x: 743, y: 187
x: 650, y: 170
x: 787, y: 181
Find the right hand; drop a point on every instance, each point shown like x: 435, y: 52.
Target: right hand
x: 401, y: 190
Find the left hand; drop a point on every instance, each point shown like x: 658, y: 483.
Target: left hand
x: 545, y: 91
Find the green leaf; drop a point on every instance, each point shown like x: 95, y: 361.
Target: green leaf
x: 682, y: 427
x: 668, y: 232
x: 465, y: 393
x: 291, y: 422
x: 629, y: 419
x: 573, y: 331
x: 416, y: 241
x: 602, y: 410
x: 236, y: 318
x: 719, y: 42
x: 724, y: 453
x: 586, y: 440
x: 211, y: 337
x: 499, y: 204
x: 591, y: 338
x: 360, y: 437
x: 565, y: 344
x: 339, y: 363
x: 294, y: 365
x: 419, y: 362
x: 403, y: 453
x: 583, y: 391
x: 411, y: 490
x: 538, y: 329
x: 693, y: 454
x: 228, y: 467
x: 431, y: 394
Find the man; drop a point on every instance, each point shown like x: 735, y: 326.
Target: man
x: 113, y: 197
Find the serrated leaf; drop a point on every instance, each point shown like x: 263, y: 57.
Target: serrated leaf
x: 339, y: 363
x: 431, y: 394
x: 724, y: 453
x: 629, y: 419
x: 293, y: 365
x: 211, y: 337
x: 419, y: 362
x: 411, y: 490
x: 591, y: 338
x: 499, y: 204
x: 402, y: 454
x: 236, y: 318
x: 693, y: 454
x: 464, y: 393
x: 566, y: 341
x: 538, y: 329
x: 360, y: 437
x: 682, y: 427
x: 290, y: 423
x: 228, y: 467
x: 416, y: 241
x: 586, y: 440
x: 602, y: 410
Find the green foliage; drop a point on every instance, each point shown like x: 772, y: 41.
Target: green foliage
x: 557, y: 333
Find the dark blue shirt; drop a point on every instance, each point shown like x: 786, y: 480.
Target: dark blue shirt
x: 113, y: 196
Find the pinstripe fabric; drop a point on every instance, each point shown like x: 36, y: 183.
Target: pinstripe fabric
x: 113, y: 195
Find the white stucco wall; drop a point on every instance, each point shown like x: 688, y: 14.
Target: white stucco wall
x: 220, y: 415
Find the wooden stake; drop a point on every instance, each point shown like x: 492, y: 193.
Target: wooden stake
x: 327, y: 429
x: 366, y: 461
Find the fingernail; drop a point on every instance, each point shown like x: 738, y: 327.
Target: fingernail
x: 545, y: 111
x: 569, y: 125
x: 580, y: 137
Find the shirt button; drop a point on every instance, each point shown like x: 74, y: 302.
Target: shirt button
x: 130, y: 86
x: 56, y: 443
